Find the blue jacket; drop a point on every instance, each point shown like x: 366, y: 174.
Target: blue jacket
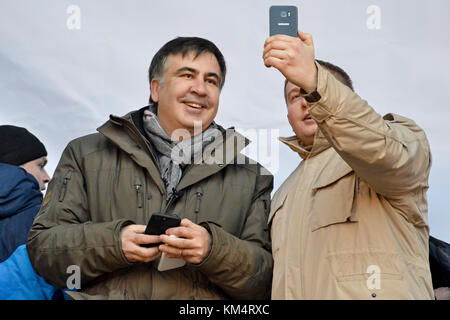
x: 20, y: 200
x: 18, y: 281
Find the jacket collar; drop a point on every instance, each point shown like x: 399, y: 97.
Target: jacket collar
x: 124, y: 133
x: 320, y: 144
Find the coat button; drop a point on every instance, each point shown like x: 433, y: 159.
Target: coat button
x: 374, y: 295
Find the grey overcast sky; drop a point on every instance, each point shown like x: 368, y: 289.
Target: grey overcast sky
x: 66, y: 65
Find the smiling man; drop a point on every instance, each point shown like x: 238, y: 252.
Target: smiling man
x: 159, y: 159
x: 189, y: 91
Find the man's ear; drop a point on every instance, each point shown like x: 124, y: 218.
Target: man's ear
x: 154, y: 89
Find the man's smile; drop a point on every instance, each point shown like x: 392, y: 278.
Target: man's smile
x: 195, y: 105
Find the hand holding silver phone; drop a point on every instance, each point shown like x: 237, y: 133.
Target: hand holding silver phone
x: 166, y: 263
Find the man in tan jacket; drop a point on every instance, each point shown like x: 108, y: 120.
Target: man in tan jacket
x: 351, y: 221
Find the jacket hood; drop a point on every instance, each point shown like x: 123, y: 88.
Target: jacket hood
x: 320, y: 144
x: 124, y: 132
x: 232, y: 141
x: 19, y: 190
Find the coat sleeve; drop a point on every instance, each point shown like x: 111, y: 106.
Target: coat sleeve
x: 242, y: 267
x: 62, y: 238
x: 390, y: 153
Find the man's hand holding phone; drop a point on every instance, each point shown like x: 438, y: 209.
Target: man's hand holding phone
x: 288, y: 50
x: 294, y: 58
x: 191, y: 243
x: 132, y: 237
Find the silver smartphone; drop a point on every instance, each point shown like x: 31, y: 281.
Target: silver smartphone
x: 165, y: 263
x: 283, y: 20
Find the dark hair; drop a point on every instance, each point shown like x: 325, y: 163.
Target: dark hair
x: 184, y: 45
x: 338, y: 72
x: 345, y: 78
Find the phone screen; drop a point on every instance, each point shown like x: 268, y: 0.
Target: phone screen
x: 283, y: 20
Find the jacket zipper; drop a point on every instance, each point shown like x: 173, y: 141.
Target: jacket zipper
x: 63, y: 192
x: 303, y: 242
x: 139, y: 193
x: 174, y: 196
x: 199, y: 195
x: 266, y: 207
x: 199, y: 200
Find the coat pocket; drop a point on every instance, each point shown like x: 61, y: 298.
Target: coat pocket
x: 333, y: 197
x: 367, y: 274
x: 359, y: 265
x: 65, y: 182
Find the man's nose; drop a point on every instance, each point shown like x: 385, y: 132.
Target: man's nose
x: 304, y: 103
x: 199, y: 87
x: 46, y: 177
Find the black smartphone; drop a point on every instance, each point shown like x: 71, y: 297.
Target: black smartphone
x: 283, y: 20
x: 158, y: 224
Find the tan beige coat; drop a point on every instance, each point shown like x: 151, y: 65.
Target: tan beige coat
x: 351, y: 221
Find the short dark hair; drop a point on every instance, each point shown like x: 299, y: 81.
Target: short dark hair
x: 184, y: 45
x: 342, y: 76
x: 345, y: 78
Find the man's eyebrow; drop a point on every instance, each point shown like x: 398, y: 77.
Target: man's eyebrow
x: 183, y: 69
x: 215, y: 75
x: 188, y: 69
x: 292, y: 90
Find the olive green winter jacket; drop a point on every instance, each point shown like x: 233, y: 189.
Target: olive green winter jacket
x: 108, y: 180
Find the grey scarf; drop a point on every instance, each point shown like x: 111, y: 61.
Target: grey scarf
x: 174, y: 156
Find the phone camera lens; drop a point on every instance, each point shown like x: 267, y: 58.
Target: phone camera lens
x: 283, y: 14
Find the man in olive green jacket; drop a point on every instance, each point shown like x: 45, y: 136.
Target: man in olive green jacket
x: 351, y: 221
x: 108, y: 184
